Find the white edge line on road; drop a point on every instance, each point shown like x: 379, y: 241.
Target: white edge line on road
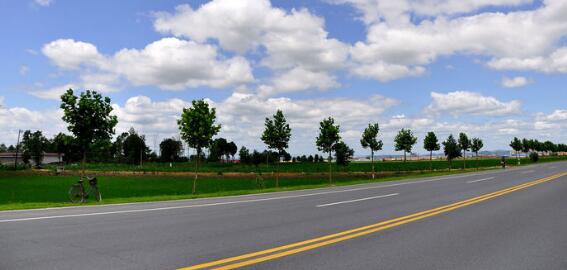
x: 359, y: 200
x: 480, y: 180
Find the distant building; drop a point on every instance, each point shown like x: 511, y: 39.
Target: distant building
x: 10, y: 157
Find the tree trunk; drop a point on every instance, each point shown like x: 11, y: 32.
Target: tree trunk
x: 196, y: 171
x: 464, y: 159
x: 404, y: 155
x: 83, y: 163
x: 431, y: 160
x: 372, y: 160
x: 477, y: 165
x: 330, y: 170
x: 278, y: 170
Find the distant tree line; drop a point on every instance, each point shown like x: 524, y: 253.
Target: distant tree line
x: 92, y: 127
x: 533, y: 148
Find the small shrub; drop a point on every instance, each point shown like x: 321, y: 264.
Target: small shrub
x: 534, y: 157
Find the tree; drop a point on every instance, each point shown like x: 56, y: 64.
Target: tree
x: 534, y: 157
x: 516, y: 144
x: 134, y: 148
x: 405, y: 141
x: 370, y: 140
x: 257, y: 158
x: 327, y: 140
x: 34, y: 145
x: 88, y: 118
x: 343, y: 153
x: 549, y: 147
x: 244, y: 154
x: 170, y: 149
x: 218, y: 149
x: 526, y: 145
x: 197, y: 127
x: 3, y: 148
x: 431, y: 143
x: 464, y: 144
x: 231, y: 149
x: 65, y: 144
x: 451, y: 149
x: 276, y: 136
x: 476, y: 145
x: 310, y: 159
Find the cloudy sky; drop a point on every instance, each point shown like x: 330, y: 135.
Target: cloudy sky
x: 491, y: 68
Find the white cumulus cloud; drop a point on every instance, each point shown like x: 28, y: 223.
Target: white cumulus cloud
x: 169, y: 63
x: 514, y: 82
x: 464, y: 102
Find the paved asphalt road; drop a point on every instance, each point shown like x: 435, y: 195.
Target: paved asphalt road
x: 522, y: 229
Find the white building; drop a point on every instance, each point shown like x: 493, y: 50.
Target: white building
x: 10, y: 157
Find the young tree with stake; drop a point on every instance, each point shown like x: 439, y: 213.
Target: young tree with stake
x: 430, y: 143
x: 516, y: 144
x: 197, y: 127
x: 327, y: 140
x: 464, y: 144
x: 276, y: 136
x: 476, y: 145
x: 405, y: 141
x: 370, y: 140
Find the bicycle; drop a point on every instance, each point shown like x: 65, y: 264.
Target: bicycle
x: 78, y: 194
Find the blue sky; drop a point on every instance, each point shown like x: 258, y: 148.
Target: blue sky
x: 494, y: 71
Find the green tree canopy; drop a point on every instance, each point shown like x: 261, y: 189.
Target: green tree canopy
x: 34, y: 145
x: 170, y: 149
x: 67, y: 148
x: 343, y: 153
x: 451, y: 149
x: 526, y: 145
x: 244, y: 155
x: 404, y: 141
x: 88, y: 117
x: 431, y: 143
x: 476, y: 145
x: 134, y: 147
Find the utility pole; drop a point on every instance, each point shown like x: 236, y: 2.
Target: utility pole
x: 17, y: 149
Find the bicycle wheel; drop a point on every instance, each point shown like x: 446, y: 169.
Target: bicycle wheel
x: 76, y: 193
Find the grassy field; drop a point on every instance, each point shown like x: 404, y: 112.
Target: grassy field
x: 389, y: 166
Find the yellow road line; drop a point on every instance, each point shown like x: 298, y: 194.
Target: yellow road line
x: 353, y: 233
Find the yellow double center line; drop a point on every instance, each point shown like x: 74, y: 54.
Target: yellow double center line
x: 290, y: 249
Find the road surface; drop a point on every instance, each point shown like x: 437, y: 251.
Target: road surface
x: 502, y: 219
